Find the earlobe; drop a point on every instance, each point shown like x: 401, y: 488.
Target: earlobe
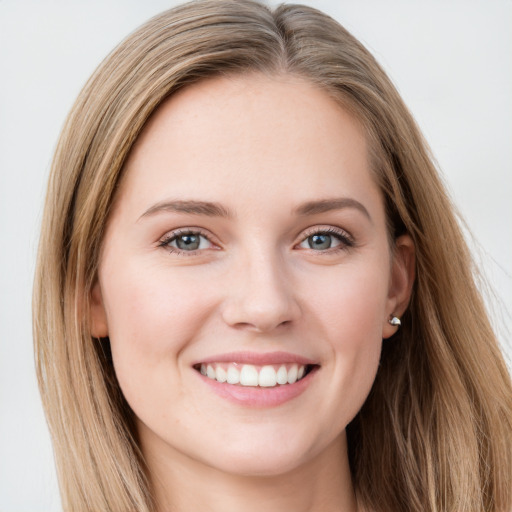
x: 98, y: 316
x: 401, y: 283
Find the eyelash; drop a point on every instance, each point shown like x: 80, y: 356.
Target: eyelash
x: 346, y: 240
x: 174, y: 235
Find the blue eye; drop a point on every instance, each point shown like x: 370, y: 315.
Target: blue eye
x: 186, y: 241
x: 325, y: 240
x: 321, y: 242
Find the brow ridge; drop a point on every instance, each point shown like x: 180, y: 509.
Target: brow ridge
x: 212, y: 209
x: 191, y: 207
x: 326, y: 205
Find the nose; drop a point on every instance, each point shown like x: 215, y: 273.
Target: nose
x: 259, y: 296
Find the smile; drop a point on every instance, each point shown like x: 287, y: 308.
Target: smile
x: 261, y: 380
x: 251, y: 375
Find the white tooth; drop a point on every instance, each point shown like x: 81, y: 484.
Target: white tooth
x: 203, y: 369
x: 233, y: 375
x: 249, y: 375
x: 302, y: 369
x: 282, y: 375
x: 292, y: 374
x: 267, y: 377
x: 210, y: 372
x: 221, y: 374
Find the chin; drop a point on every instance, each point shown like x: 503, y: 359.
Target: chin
x: 268, y: 458
x: 262, y: 465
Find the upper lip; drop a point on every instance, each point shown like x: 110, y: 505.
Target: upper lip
x: 257, y: 358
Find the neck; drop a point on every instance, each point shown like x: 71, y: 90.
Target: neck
x: 323, y: 483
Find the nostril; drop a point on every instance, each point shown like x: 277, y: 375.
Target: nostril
x: 260, y: 304
x: 261, y: 326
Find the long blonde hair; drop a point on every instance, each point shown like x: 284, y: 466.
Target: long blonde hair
x: 435, y: 431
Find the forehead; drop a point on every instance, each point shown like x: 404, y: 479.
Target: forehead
x: 226, y: 136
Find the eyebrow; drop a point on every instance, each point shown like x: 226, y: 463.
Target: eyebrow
x: 190, y: 207
x: 327, y: 205
x: 211, y: 209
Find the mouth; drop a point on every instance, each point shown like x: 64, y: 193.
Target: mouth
x: 255, y: 379
x: 252, y: 375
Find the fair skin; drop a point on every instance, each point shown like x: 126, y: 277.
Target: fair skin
x: 248, y: 232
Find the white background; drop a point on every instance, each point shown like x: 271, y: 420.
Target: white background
x: 450, y: 59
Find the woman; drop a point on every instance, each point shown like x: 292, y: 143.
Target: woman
x: 251, y: 283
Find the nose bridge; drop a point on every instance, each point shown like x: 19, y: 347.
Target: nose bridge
x: 260, y: 296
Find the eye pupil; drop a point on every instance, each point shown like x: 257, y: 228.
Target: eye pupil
x: 319, y: 241
x: 188, y: 242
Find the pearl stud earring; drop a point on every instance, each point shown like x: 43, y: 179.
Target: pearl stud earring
x: 395, y: 321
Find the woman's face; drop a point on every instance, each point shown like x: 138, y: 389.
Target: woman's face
x: 248, y: 242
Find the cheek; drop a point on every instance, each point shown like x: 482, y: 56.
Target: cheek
x: 152, y: 315
x: 350, y: 316
x: 351, y: 302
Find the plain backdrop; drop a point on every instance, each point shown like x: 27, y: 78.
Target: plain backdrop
x: 450, y: 59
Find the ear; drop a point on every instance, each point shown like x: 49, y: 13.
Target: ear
x: 401, y: 282
x: 98, y: 316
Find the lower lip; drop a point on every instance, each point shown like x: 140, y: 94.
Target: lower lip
x: 255, y: 396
